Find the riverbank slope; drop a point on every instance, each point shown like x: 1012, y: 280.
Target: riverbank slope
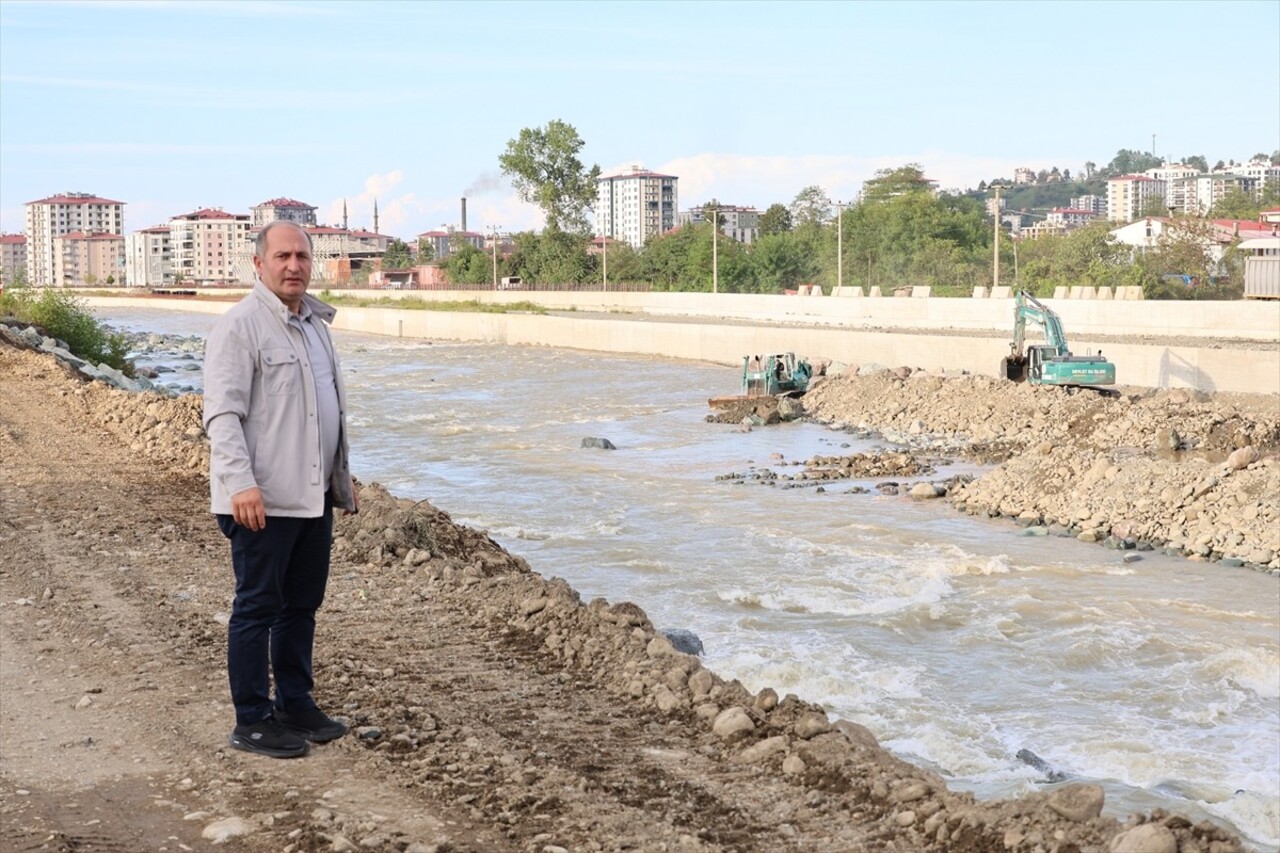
x: 493, y: 709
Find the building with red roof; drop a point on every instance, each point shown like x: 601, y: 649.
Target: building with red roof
x: 51, y: 217
x: 13, y: 256
x: 206, y: 244
x: 636, y: 205
x: 283, y: 210
x: 88, y: 259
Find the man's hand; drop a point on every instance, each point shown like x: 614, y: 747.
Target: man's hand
x: 247, y: 509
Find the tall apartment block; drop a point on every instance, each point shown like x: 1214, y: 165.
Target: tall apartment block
x: 148, y: 257
x: 13, y: 256
x: 283, y: 209
x: 635, y: 205
x: 204, y: 244
x: 1129, y: 195
x: 50, y: 218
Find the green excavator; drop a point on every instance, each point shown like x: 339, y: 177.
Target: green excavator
x: 1051, y: 363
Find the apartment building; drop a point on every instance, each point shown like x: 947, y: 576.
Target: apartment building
x: 1196, y: 195
x: 442, y: 240
x: 283, y: 209
x: 1023, y: 175
x: 1095, y: 204
x: 1068, y: 217
x: 736, y: 223
x: 13, y: 256
x: 635, y: 205
x: 204, y: 245
x: 1172, y: 172
x: 84, y: 259
x: 148, y: 257
x: 1129, y: 195
x: 71, y: 212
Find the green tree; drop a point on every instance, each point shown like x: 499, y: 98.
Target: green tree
x: 397, y: 256
x: 889, y: 183
x: 811, y: 206
x: 1197, y: 161
x: 110, y: 280
x: 1128, y: 162
x: 426, y: 251
x: 468, y: 265
x: 1087, y: 256
x: 780, y: 262
x: 545, y: 170
x: 624, y: 264
x: 775, y: 220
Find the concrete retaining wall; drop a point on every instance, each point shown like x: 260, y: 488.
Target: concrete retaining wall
x: 1209, y: 368
x: 1232, y: 320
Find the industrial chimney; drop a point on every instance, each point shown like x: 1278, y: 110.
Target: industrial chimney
x: 464, y: 213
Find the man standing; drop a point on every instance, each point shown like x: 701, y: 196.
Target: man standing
x: 274, y: 409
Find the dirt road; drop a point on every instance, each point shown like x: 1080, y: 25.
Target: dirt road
x: 492, y: 710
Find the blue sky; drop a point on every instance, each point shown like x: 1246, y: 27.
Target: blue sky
x: 172, y: 105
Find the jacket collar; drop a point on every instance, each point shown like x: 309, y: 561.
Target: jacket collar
x: 322, y: 310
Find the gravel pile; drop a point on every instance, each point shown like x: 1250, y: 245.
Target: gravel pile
x: 1196, y: 474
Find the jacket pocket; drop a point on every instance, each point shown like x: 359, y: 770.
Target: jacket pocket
x: 280, y: 371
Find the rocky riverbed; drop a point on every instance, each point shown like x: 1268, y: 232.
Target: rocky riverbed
x: 493, y: 709
x: 1193, y: 473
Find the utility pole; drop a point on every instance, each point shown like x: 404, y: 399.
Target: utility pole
x: 995, y: 275
x: 715, y: 259
x: 604, y: 244
x: 839, y: 247
x: 495, y: 256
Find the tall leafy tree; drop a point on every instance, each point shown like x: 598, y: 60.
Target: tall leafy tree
x: 543, y: 165
x: 1128, y: 162
x: 811, y: 206
x: 397, y: 256
x: 775, y: 220
x: 889, y: 183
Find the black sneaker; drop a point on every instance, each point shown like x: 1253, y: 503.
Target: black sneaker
x: 313, y: 724
x: 268, y: 737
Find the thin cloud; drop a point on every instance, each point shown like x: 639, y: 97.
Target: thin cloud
x: 219, y: 8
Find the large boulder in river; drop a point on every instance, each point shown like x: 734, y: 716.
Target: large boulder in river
x: 601, y: 443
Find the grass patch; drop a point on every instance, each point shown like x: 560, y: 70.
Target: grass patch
x: 415, y: 303
x: 59, y: 314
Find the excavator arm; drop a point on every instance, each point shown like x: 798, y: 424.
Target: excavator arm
x: 1026, y: 308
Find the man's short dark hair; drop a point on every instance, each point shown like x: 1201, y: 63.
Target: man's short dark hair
x: 260, y: 243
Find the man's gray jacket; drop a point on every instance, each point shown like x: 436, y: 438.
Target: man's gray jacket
x: 261, y: 413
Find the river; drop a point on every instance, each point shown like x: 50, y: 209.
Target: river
x: 956, y: 640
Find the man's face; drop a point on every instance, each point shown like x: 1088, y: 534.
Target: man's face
x: 286, y: 267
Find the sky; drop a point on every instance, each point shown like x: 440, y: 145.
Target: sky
x: 175, y: 105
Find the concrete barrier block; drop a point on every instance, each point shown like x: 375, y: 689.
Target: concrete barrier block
x: 1088, y: 291
x: 848, y: 291
x: 979, y: 293
x: 1001, y: 292
x: 1060, y: 292
x: 875, y: 290
x: 921, y: 291
x: 1074, y: 292
x: 1104, y: 293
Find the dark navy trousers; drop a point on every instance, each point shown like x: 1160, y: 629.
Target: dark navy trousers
x: 281, y: 572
